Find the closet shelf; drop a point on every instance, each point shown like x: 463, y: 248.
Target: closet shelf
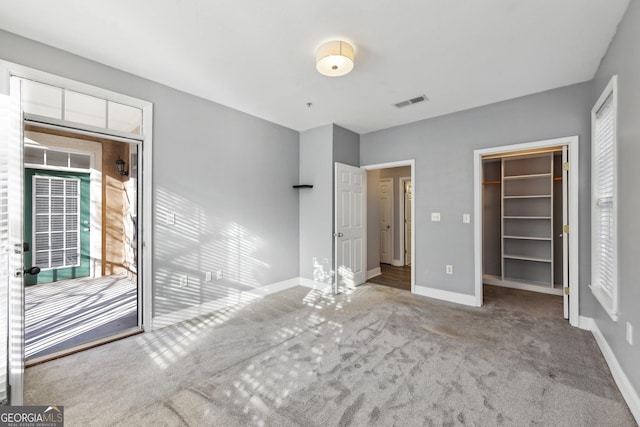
x: 527, y: 258
x: 526, y: 217
x: 528, y: 238
x: 531, y: 176
x: 535, y: 196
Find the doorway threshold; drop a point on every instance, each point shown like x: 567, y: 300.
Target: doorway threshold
x: 82, y: 347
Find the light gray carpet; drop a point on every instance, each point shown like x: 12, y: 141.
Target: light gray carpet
x: 378, y: 356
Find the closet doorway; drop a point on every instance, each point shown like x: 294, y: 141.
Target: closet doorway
x: 526, y: 219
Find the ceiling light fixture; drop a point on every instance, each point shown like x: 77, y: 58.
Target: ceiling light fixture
x: 334, y: 58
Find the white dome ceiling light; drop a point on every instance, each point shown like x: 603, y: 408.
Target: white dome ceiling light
x: 334, y: 58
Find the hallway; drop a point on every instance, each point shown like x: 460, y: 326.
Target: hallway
x: 395, y: 277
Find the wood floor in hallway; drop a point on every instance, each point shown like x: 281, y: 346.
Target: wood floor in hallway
x: 396, y: 277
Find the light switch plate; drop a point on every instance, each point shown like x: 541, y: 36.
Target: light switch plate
x: 207, y: 276
x: 449, y: 269
x: 629, y: 333
x: 466, y: 218
x: 435, y: 216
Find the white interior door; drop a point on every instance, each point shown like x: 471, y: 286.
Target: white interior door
x: 350, y: 226
x: 11, y: 269
x: 565, y: 235
x: 407, y: 222
x: 386, y: 220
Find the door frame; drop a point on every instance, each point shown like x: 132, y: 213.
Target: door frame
x: 145, y: 165
x: 391, y: 222
x: 572, y: 142
x: 402, y: 215
x: 412, y: 164
x: 145, y: 189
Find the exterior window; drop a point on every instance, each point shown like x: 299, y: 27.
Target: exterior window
x: 37, y: 156
x: 604, y: 273
x: 56, y: 219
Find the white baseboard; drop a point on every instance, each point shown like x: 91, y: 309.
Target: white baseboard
x: 320, y: 286
x: 241, y: 298
x: 449, y: 296
x: 397, y: 263
x: 629, y: 393
x: 374, y: 272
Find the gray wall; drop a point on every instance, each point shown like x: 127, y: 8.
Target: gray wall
x: 316, y: 204
x: 346, y: 146
x: 622, y: 59
x: 443, y: 150
x: 320, y: 148
x: 225, y: 174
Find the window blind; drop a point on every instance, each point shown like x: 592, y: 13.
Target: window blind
x: 604, y: 186
x: 5, y: 245
x: 56, y: 212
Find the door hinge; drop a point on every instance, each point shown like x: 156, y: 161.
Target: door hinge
x: 565, y: 228
x: 565, y: 166
x: 567, y: 291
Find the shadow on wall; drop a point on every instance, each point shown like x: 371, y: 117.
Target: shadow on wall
x: 189, y: 243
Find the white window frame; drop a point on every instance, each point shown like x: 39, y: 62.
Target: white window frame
x: 608, y: 300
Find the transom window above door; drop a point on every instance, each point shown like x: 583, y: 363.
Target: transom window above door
x: 45, y: 157
x: 63, y: 104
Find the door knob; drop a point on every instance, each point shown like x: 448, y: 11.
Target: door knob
x: 33, y: 270
x: 388, y: 226
x: 338, y: 234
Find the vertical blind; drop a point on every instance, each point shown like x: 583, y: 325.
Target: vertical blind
x: 604, y: 186
x: 5, y: 245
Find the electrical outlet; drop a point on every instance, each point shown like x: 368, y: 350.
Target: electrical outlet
x: 629, y: 333
x: 449, y: 269
x: 171, y: 218
x: 435, y: 216
x: 466, y: 218
x: 207, y: 276
x: 219, y: 275
x: 184, y: 281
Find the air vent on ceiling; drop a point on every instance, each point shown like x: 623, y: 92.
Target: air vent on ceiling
x: 411, y: 101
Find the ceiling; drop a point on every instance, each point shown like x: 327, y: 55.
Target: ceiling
x: 258, y: 56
